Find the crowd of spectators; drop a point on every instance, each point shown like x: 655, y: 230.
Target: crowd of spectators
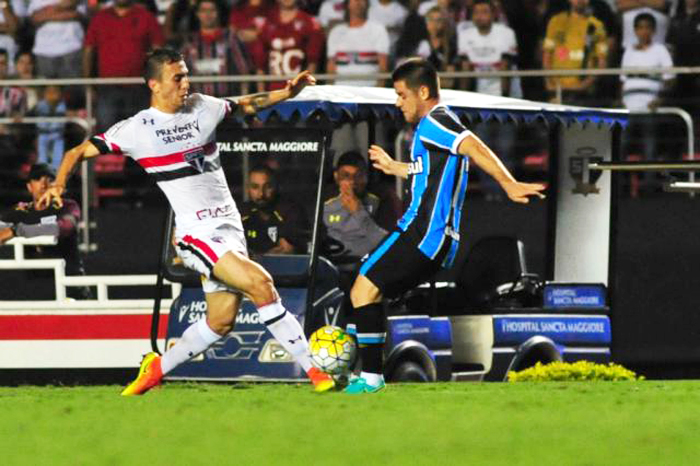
x: 92, y: 38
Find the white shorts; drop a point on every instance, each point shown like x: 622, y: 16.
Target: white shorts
x: 201, y: 249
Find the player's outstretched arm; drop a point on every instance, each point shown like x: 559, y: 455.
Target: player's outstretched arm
x: 381, y: 161
x: 253, y: 103
x: 484, y: 158
x: 71, y: 159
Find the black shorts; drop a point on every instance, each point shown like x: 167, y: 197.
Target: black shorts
x: 396, y: 265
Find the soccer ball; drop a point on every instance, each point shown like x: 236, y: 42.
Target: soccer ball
x: 332, y: 350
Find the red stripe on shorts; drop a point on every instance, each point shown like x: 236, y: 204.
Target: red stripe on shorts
x: 202, y: 246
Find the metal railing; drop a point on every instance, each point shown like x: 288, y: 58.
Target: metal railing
x: 61, y: 281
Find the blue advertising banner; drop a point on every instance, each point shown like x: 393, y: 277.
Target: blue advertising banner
x: 570, y: 296
x: 512, y: 330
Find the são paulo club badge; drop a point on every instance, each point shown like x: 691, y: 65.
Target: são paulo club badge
x: 195, y: 158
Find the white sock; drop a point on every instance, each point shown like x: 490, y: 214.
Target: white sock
x: 196, y: 339
x: 371, y: 378
x: 287, y: 331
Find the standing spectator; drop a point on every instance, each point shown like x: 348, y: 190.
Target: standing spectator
x: 332, y: 12
x: 661, y: 10
x: 440, y: 47
x: 215, y: 50
x: 291, y: 40
x: 392, y: 15
x: 9, y: 26
x: 490, y: 46
x: 118, y: 39
x: 50, y: 142
x: 575, y: 40
x: 684, y: 37
x: 59, y: 37
x: 358, y: 46
x: 487, y: 46
x: 248, y: 18
x: 641, y: 93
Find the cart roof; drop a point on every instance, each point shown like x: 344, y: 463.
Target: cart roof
x: 345, y: 103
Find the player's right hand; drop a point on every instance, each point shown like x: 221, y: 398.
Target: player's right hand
x: 380, y: 159
x: 51, y: 196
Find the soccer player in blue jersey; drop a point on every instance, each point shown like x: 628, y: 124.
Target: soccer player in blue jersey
x: 427, y: 235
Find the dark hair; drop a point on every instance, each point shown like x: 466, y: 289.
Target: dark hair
x: 221, y: 12
x: 484, y: 2
x: 346, y: 16
x: 23, y: 52
x: 156, y: 59
x: 645, y: 17
x: 352, y: 158
x: 4, y: 52
x: 417, y: 72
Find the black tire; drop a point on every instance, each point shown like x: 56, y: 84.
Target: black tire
x: 409, y: 371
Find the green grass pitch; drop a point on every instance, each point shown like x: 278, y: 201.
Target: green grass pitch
x: 604, y: 423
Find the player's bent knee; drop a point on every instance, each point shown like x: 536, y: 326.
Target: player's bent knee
x: 262, y: 290
x: 220, y: 324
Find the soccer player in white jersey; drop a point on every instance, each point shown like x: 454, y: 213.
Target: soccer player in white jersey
x: 175, y: 142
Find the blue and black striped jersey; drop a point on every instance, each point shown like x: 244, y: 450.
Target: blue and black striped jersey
x: 437, y: 179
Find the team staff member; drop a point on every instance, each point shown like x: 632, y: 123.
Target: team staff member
x: 29, y: 219
x: 175, y: 142
x: 272, y: 226
x: 427, y: 236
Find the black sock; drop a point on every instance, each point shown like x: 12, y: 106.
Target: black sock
x: 371, y: 332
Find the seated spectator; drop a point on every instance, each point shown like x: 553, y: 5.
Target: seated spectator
x: 248, y: 17
x: 358, y: 46
x: 352, y: 217
x: 50, y: 142
x: 574, y: 40
x: 272, y: 225
x: 13, y: 99
x: 215, y: 50
x: 392, y: 15
x: 641, y: 93
x: 58, y: 40
x: 660, y: 10
x: 290, y: 41
x: 60, y: 221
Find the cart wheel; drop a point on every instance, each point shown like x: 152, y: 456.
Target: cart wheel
x: 409, y: 371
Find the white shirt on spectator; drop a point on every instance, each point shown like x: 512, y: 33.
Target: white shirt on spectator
x: 639, y: 91
x: 392, y: 15
x: 331, y: 11
x: 356, y: 50
x: 56, y: 38
x: 485, y: 51
x: 662, y: 23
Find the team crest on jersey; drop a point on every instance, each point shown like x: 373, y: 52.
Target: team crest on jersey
x: 195, y: 158
x: 272, y: 233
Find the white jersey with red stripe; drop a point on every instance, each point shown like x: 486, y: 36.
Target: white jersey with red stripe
x: 179, y: 150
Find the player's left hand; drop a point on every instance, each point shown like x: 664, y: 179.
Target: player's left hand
x: 521, y: 192
x: 303, y: 79
x: 51, y: 196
